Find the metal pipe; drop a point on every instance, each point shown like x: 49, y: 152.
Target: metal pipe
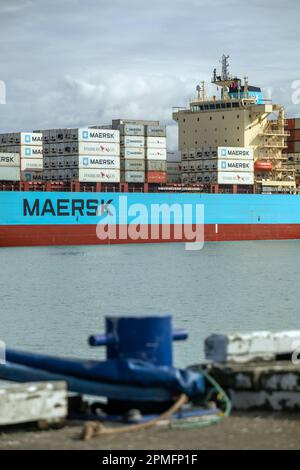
x: 101, y: 339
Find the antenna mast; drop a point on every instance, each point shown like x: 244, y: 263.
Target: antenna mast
x: 224, y: 80
x: 225, y: 67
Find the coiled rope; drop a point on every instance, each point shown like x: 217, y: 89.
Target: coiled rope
x: 93, y: 428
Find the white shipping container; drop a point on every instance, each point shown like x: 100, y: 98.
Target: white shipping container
x: 133, y: 165
x: 9, y: 159
x: 132, y: 129
x: 95, y: 149
x: 99, y: 162
x: 32, y: 176
x: 235, y: 153
x: 31, y: 151
x: 102, y: 176
x: 156, y: 154
x: 132, y: 152
x: 156, y: 142
x: 31, y: 164
x: 132, y: 141
x: 29, y: 138
x: 116, y: 122
x: 236, y: 165
x: 227, y: 177
x: 96, y: 135
x: 9, y: 174
x: 156, y: 131
x: 157, y: 165
x: 133, y: 176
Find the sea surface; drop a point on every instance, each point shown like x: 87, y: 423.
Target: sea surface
x: 52, y: 298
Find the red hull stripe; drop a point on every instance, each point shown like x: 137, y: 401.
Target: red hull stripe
x: 38, y: 235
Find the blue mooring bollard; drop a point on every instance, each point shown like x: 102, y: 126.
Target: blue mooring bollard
x: 146, y: 338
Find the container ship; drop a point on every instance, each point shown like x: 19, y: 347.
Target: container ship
x: 117, y: 183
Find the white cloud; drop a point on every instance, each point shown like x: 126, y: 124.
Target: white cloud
x: 73, y: 63
x: 75, y: 101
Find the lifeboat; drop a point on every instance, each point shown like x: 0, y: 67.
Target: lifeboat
x: 262, y: 166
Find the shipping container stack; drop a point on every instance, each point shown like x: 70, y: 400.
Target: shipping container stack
x: 132, y: 151
x: 143, y: 151
x: 27, y: 148
x: 216, y: 166
x: 156, y: 153
x: 88, y: 155
x: 9, y: 166
x: 293, y: 147
x: 199, y: 165
x: 174, y: 167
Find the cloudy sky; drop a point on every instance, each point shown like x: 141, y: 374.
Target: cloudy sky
x: 78, y: 62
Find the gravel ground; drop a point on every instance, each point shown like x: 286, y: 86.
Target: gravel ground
x: 239, y: 431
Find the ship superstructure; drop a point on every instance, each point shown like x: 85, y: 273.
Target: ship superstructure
x: 239, y: 117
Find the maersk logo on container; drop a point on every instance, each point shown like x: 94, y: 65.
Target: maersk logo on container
x: 92, y: 135
x: 235, y: 152
x: 31, y: 138
x: 236, y: 165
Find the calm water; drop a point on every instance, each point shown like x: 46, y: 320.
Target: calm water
x: 52, y: 298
